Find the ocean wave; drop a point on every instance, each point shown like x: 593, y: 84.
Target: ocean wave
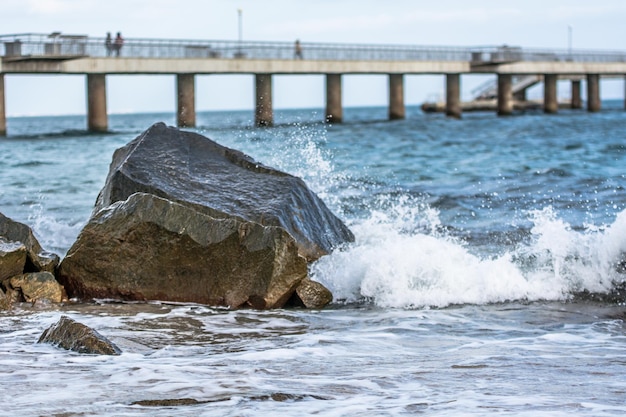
x: 391, y: 267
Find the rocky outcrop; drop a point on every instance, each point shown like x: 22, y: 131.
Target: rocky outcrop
x: 26, y: 270
x: 181, y: 218
x: 148, y: 248
x: 195, y: 171
x: 37, y: 259
x: 71, y: 335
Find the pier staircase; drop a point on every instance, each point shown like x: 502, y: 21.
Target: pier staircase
x: 520, y: 83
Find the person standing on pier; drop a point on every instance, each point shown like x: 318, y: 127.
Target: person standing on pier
x: 108, y: 44
x: 119, y: 41
x: 298, y: 50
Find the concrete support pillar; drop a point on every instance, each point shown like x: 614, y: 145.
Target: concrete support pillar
x: 334, y: 111
x: 453, y: 95
x: 593, y: 92
x: 3, y: 116
x: 263, y: 115
x: 396, y: 97
x: 186, y: 100
x: 97, y: 120
x: 576, y: 101
x: 550, y: 101
x: 505, y: 94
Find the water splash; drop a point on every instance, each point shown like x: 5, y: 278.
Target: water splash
x: 55, y: 235
x: 393, y: 266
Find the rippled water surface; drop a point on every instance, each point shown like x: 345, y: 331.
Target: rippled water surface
x: 461, y: 296
x: 512, y: 359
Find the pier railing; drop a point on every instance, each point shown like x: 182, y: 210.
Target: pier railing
x: 62, y: 46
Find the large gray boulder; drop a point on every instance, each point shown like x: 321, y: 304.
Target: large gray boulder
x: 149, y: 248
x: 192, y: 170
x: 72, y: 335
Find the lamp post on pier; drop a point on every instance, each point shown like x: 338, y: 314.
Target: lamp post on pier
x: 240, y: 19
x: 569, y: 41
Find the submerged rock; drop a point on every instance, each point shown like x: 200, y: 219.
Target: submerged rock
x: 195, y: 171
x: 148, y: 248
x: 275, y: 396
x: 37, y: 259
x: 71, y: 335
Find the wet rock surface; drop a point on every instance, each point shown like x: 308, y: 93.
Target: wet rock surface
x: 182, y: 218
x: 193, y: 170
x: 71, y: 335
x: 5, y: 303
x: 275, y: 396
x: 12, y: 259
x: 149, y: 248
x: 37, y: 259
x: 312, y: 294
x: 38, y: 287
x: 26, y: 270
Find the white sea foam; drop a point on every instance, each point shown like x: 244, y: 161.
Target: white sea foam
x: 339, y: 362
x: 396, y: 268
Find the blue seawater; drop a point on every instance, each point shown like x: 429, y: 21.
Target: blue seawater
x: 459, y: 297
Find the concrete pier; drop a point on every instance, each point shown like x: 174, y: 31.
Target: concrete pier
x: 264, y: 115
x: 97, y: 120
x: 517, y: 69
x: 576, y: 102
x: 593, y: 92
x: 550, y: 102
x: 3, y: 115
x: 505, y: 95
x: 396, y: 97
x: 453, y: 95
x: 186, y: 100
x: 334, y: 110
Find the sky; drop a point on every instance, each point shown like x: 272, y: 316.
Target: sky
x: 550, y: 24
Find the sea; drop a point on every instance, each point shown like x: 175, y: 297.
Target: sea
x: 484, y: 279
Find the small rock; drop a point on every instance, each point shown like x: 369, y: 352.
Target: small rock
x: 38, y: 259
x: 12, y: 259
x: 12, y: 296
x: 39, y: 286
x: 5, y: 302
x: 71, y: 335
x: 312, y: 294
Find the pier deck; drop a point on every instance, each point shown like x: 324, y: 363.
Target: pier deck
x: 57, y: 53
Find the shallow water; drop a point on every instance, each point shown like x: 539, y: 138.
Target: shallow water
x: 547, y: 359
x: 473, y: 237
